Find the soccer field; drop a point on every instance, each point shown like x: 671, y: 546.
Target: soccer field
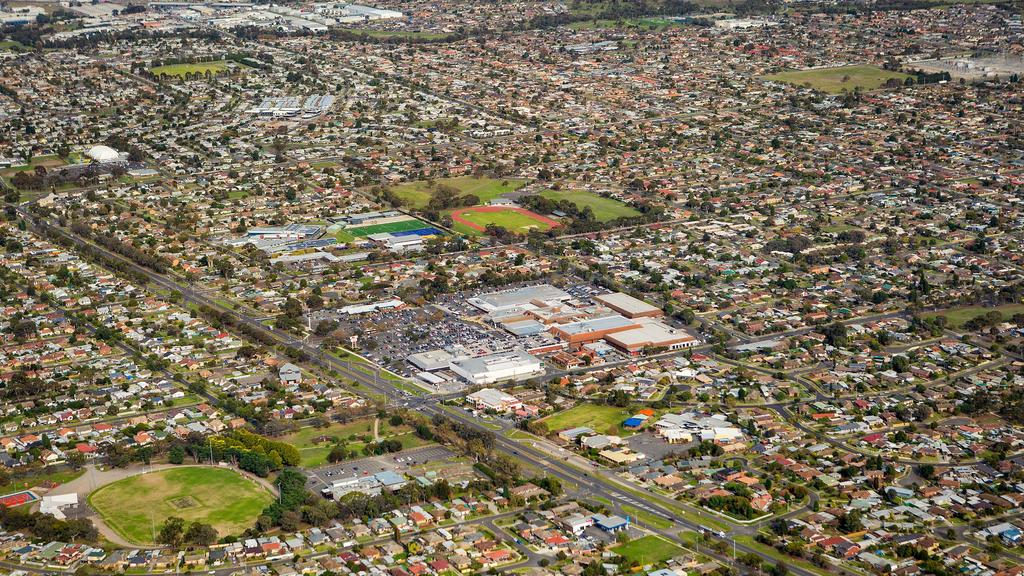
x: 835, y: 80
x: 220, y: 497
x: 401, y: 226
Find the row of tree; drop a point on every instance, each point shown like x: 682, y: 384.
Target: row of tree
x: 254, y: 453
x: 140, y: 256
x: 46, y: 527
x: 176, y: 533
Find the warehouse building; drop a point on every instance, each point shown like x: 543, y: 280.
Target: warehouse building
x: 651, y: 334
x: 517, y: 365
x: 289, y: 232
x: 527, y: 297
x: 493, y: 399
x: 431, y: 360
x: 628, y: 306
x: 593, y: 329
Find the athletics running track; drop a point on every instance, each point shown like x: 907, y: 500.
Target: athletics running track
x: 457, y: 218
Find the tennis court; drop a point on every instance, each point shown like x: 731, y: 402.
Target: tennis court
x: 18, y: 499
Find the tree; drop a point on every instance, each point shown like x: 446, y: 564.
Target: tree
x: 200, y: 535
x: 75, y: 459
x: 176, y: 454
x: 835, y: 334
x: 24, y: 329
x: 850, y: 522
x: 325, y: 327
x: 172, y: 532
x: 926, y: 471
x: 290, y: 520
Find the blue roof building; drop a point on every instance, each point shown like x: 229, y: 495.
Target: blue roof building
x: 610, y: 523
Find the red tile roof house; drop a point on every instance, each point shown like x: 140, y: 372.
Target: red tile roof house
x: 496, y: 557
x: 840, y: 546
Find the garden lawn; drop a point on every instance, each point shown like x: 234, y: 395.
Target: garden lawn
x: 602, y: 419
x: 221, y: 497
x: 605, y: 209
x: 417, y: 194
x: 648, y: 550
x: 831, y: 80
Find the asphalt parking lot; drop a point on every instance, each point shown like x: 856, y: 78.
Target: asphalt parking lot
x: 322, y: 477
x: 654, y: 447
x: 395, y: 334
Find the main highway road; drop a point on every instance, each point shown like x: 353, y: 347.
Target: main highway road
x: 593, y: 483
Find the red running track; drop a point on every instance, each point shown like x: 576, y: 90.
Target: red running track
x: 523, y: 211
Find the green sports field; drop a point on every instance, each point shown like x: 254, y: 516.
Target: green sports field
x: 220, y: 497
x: 510, y: 220
x: 835, y: 80
x: 400, y: 226
x: 182, y: 69
x: 417, y: 194
x: 605, y: 209
x: 648, y: 550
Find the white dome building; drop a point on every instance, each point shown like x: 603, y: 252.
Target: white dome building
x: 103, y: 154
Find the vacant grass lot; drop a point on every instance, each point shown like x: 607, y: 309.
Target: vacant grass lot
x: 648, y: 23
x: 417, y: 194
x: 48, y: 161
x: 315, y: 444
x: 220, y: 497
x: 835, y: 80
x: 958, y: 316
x: 605, y: 209
x: 182, y: 69
x: 648, y: 550
x: 603, y: 419
x: 315, y: 453
x: 17, y: 485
